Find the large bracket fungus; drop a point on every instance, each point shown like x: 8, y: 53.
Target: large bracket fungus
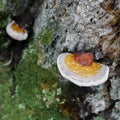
x: 81, y: 69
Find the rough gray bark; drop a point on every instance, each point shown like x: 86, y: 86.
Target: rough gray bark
x: 86, y: 25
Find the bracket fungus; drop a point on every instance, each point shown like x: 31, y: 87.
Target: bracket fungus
x: 16, y: 32
x: 81, y: 69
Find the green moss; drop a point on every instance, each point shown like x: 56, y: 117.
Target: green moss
x: 37, y: 91
x: 9, y: 104
x: 38, y: 88
x: 46, y: 36
x: 34, y: 50
x: 41, y: 58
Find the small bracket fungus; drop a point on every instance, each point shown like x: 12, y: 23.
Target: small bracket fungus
x: 16, y: 32
x: 81, y: 69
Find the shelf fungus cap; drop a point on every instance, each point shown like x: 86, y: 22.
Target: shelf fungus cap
x: 16, y: 32
x: 81, y: 69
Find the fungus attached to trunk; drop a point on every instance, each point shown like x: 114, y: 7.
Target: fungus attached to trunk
x: 81, y: 69
x: 22, y: 24
x: 16, y: 32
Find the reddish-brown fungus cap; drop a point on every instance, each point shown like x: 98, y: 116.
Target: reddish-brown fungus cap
x: 85, y: 59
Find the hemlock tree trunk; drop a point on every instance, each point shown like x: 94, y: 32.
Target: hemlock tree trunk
x: 83, y: 25
x: 69, y: 26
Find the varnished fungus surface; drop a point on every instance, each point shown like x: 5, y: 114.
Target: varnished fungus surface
x: 85, y: 71
x: 16, y: 28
